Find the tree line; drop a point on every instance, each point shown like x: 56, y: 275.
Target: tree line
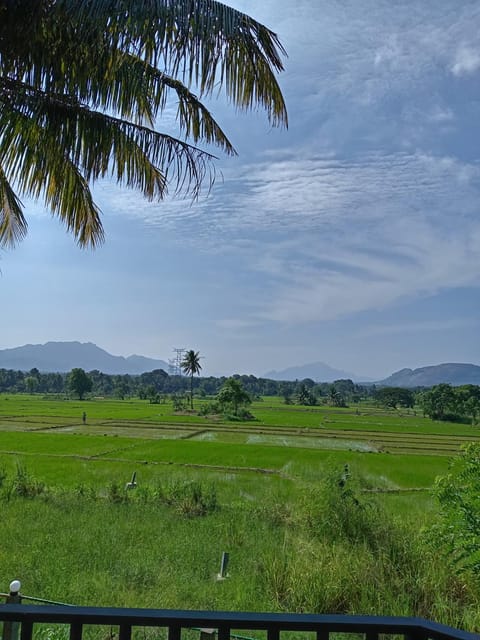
x: 306, y: 391
x: 440, y: 402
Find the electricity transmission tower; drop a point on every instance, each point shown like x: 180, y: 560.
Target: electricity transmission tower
x: 175, y: 364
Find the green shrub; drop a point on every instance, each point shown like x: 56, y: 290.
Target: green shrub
x: 116, y: 494
x: 188, y: 498
x: 242, y: 415
x: 24, y: 485
x: 210, y: 408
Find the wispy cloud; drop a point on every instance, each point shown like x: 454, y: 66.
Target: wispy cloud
x: 467, y: 61
x: 426, y: 326
x: 366, y: 202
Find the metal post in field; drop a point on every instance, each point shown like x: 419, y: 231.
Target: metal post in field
x: 11, y: 630
x: 223, y: 567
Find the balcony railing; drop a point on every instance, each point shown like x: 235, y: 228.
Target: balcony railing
x: 223, y: 623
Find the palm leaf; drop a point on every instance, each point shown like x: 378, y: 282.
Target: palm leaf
x: 13, y: 226
x: 40, y: 168
x: 205, y: 42
x: 101, y: 145
x: 82, y: 85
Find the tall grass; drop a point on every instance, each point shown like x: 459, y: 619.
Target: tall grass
x: 327, y: 548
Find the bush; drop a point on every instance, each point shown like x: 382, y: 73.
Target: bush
x: 242, y: 415
x: 210, y: 408
x: 458, y: 530
x: 188, y: 498
x: 116, y: 494
x: 338, y: 511
x: 25, y: 486
x: 3, y: 476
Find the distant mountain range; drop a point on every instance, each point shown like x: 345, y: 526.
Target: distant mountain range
x: 64, y: 356
x: 452, y: 373
x: 318, y: 371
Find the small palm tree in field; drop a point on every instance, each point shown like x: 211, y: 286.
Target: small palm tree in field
x: 191, y: 366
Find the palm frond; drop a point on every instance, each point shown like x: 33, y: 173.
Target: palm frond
x: 203, y: 41
x: 195, y: 120
x: 101, y: 145
x: 40, y: 168
x: 13, y: 226
x: 82, y: 85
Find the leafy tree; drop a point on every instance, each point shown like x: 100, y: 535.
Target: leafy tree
x: 308, y: 383
x: 344, y: 386
x: 468, y: 401
x: 83, y: 84
x: 393, y: 397
x: 335, y: 398
x: 191, y: 366
x: 121, y: 389
x: 79, y: 382
x: 306, y: 396
x: 232, y: 393
x: 438, y: 402
x: 178, y: 402
x: 31, y: 384
x: 459, y: 496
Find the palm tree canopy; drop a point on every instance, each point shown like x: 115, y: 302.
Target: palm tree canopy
x: 83, y: 85
x: 191, y: 363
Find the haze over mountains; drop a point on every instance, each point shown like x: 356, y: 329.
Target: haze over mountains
x: 64, y: 356
x: 452, y: 373
x: 318, y: 371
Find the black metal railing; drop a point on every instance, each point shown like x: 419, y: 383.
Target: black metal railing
x: 225, y: 623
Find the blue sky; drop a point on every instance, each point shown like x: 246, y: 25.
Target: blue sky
x: 353, y: 238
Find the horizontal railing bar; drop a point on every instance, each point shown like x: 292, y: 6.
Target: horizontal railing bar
x: 275, y: 622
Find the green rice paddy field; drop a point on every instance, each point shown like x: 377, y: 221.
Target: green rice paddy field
x: 396, y: 451
x: 74, y: 533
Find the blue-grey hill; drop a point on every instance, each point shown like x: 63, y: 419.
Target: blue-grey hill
x: 452, y: 373
x: 63, y: 356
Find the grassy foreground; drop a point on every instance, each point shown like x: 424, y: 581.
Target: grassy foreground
x: 302, y: 535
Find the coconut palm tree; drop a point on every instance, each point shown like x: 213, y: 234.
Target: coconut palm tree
x: 190, y: 366
x: 83, y: 86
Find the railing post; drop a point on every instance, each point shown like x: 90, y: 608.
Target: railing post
x: 174, y: 632
x: 125, y: 632
x: 223, y: 633
x: 76, y: 630
x: 11, y: 629
x: 27, y: 630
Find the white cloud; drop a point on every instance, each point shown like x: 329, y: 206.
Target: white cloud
x: 351, y: 210
x: 364, y: 280
x: 467, y: 61
x: 328, y: 237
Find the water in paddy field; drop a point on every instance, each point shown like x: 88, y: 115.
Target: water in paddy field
x: 294, y: 441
